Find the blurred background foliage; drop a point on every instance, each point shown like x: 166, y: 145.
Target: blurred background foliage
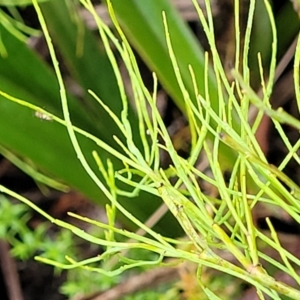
x: 26, y: 74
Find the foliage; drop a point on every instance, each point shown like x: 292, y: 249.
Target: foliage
x: 25, y: 242
x: 129, y: 162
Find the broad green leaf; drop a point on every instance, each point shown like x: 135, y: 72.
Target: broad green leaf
x: 18, y: 2
x: 287, y: 31
x: 87, y: 62
x: 23, y: 75
x: 143, y: 23
x: 261, y: 37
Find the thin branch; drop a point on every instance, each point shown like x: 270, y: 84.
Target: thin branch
x: 10, y: 274
x: 143, y: 281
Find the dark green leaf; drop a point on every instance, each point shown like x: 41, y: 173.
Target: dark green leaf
x: 19, y: 2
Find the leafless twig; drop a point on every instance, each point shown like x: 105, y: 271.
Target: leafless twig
x: 10, y: 273
x: 143, y: 281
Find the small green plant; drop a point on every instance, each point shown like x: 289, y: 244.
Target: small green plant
x: 26, y: 242
x: 17, y: 233
x: 220, y: 131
